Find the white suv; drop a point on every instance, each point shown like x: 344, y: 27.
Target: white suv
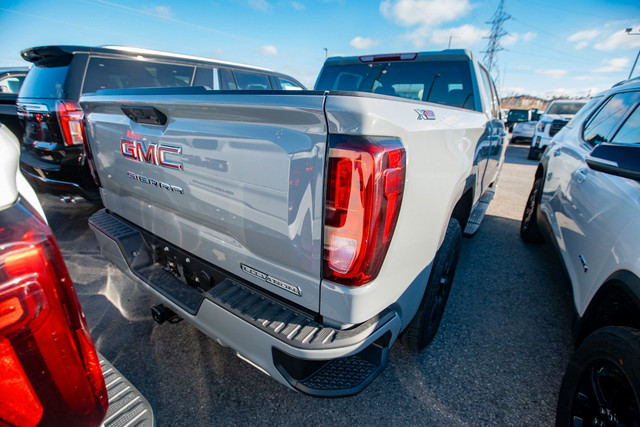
x: 556, y: 116
x: 586, y: 201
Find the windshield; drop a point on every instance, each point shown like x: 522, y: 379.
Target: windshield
x: 442, y: 82
x: 565, y: 108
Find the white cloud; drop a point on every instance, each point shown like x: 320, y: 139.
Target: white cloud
x: 582, y: 45
x: 297, y: 6
x: 260, y: 5
x: 510, y: 39
x: 268, y: 51
x: 363, y: 43
x: 163, y: 12
x: 554, y: 74
x: 612, y: 65
x: 582, y: 36
x: 463, y: 36
x: 429, y: 13
x: 513, y: 38
x: 619, y: 40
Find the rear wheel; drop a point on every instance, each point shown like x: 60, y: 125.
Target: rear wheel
x: 529, y: 231
x: 601, y: 386
x: 424, y: 325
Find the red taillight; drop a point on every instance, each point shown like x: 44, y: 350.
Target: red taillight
x: 70, y: 116
x: 365, y: 182
x: 49, y: 370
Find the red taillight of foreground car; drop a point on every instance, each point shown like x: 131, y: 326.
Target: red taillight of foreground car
x: 70, y: 115
x: 365, y: 183
x: 49, y: 370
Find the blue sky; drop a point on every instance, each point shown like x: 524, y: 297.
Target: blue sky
x: 553, y: 47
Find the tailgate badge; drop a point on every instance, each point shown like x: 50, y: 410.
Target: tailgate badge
x: 425, y: 114
x: 272, y: 280
x: 153, y: 154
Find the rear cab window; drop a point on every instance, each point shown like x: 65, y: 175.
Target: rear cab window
x: 442, y: 82
x: 116, y: 73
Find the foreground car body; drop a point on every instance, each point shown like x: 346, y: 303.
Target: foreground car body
x: 585, y: 201
x: 50, y: 372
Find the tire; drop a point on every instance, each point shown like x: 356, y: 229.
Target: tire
x: 424, y: 325
x: 534, y: 154
x: 529, y: 230
x: 601, y: 385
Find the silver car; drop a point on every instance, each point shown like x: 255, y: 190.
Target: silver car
x: 585, y: 200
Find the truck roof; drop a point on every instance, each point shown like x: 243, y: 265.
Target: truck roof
x: 441, y: 55
x: 61, y: 54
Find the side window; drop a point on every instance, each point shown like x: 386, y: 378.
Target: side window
x: 204, y: 77
x: 252, y: 81
x: 227, y: 81
x: 488, y: 93
x: 599, y: 128
x: 629, y: 133
x: 114, y: 73
x: 11, y: 84
x: 288, y: 84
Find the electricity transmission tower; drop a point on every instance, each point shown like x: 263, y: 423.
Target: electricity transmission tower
x: 497, y: 32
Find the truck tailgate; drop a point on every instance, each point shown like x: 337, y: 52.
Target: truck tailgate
x: 236, y: 180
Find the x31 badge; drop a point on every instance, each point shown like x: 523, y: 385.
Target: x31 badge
x: 425, y: 114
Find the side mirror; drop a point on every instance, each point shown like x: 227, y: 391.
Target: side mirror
x: 616, y: 159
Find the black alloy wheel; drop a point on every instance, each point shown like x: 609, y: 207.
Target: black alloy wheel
x: 602, y: 384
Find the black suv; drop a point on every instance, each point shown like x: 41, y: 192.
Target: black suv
x: 53, y: 155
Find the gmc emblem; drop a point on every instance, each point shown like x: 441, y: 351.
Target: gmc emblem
x: 153, y: 154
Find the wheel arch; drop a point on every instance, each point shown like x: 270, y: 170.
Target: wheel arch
x: 617, y: 303
x: 462, y: 208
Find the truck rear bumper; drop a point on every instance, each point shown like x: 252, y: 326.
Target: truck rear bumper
x: 283, y: 341
x: 127, y: 406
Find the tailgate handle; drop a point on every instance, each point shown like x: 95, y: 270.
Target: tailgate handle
x: 145, y: 115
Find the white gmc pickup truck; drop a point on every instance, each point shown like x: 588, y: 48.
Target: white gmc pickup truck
x: 307, y: 230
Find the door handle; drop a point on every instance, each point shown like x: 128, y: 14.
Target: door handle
x: 557, y: 152
x: 581, y: 176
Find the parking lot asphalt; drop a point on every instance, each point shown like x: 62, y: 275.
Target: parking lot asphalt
x: 497, y: 359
